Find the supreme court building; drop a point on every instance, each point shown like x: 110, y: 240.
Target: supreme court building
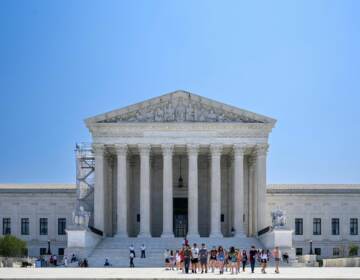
x: 180, y: 164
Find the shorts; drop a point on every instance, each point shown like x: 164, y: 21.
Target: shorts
x: 263, y: 261
x: 194, y: 260
x: 213, y: 258
x: 203, y: 260
x: 167, y: 260
x: 277, y: 259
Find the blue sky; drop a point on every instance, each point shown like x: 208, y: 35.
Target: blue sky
x: 296, y: 61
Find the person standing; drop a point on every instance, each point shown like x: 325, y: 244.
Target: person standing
x: 277, y: 255
x: 263, y: 260
x: 212, y: 259
x: 244, y: 260
x: 221, y: 259
x: 131, y: 258
x: 143, y: 248
x: 65, y: 261
x: 132, y: 250
x: 203, y: 254
x: 233, y: 260
x: 252, y: 255
x: 187, y: 258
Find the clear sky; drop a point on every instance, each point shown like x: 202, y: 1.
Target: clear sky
x: 296, y: 61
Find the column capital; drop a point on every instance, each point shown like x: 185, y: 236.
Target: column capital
x: 121, y: 149
x: 98, y: 148
x: 216, y: 149
x: 239, y: 149
x: 192, y: 149
x: 261, y: 149
x: 167, y: 149
x: 144, y: 149
x: 251, y: 160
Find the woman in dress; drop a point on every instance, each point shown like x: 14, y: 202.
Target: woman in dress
x: 221, y: 259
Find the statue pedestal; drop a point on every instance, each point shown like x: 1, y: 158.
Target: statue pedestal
x: 279, y: 237
x: 80, y: 241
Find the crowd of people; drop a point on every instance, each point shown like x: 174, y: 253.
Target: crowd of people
x: 199, y: 259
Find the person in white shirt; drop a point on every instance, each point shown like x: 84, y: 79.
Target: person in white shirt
x: 195, y: 258
x: 132, y: 250
x: 143, y: 248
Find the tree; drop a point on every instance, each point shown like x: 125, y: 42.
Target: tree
x: 10, y: 246
x: 353, y: 250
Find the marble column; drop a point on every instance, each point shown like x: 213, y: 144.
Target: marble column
x: 261, y: 151
x: 193, y: 200
x: 167, y: 150
x: 144, y: 150
x: 252, y: 196
x: 238, y: 195
x: 215, y: 230
x: 122, y: 190
x: 99, y: 191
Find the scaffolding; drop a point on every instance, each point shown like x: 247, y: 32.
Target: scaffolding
x: 85, y: 167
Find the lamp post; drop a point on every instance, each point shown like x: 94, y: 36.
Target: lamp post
x: 311, y: 249
x: 48, y: 249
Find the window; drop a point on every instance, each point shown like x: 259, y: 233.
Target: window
x: 61, y: 226
x: 42, y: 251
x: 138, y: 218
x: 317, y: 226
x: 222, y: 218
x: 335, y: 226
x: 43, y: 226
x: 24, y: 226
x: 354, y: 226
x: 336, y: 252
x: 61, y: 251
x: 299, y: 251
x: 318, y: 251
x: 6, y: 226
x: 298, y: 226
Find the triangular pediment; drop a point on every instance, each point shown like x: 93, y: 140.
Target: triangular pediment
x: 180, y: 106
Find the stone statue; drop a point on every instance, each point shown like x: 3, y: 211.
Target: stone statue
x: 81, y: 217
x: 278, y: 218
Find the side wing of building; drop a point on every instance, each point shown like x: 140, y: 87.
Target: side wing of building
x: 327, y: 215
x: 37, y: 213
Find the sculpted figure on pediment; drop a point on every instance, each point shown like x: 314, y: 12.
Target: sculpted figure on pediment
x: 179, y: 110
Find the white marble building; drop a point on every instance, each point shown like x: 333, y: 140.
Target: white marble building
x: 183, y: 164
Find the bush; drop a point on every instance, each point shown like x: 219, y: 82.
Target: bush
x: 10, y: 246
x: 353, y: 250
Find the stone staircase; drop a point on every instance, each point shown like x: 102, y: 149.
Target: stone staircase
x: 116, y: 249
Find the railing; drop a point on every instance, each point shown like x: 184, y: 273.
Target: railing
x: 264, y: 230
x: 96, y: 231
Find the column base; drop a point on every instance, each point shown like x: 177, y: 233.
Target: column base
x: 192, y: 236
x: 121, y: 235
x: 216, y: 235
x: 167, y: 235
x: 144, y: 235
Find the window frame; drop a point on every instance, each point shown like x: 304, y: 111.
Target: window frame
x: 299, y: 222
x: 6, y: 223
x: 354, y: 226
x: 43, y: 226
x: 61, y: 226
x: 316, y: 226
x: 25, y: 226
x: 335, y: 226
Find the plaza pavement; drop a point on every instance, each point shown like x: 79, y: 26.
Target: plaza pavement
x: 159, y: 273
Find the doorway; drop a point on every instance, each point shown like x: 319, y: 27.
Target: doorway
x: 180, y: 226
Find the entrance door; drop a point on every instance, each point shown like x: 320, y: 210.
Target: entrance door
x: 180, y: 217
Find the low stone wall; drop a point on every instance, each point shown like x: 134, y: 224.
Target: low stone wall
x: 342, y: 262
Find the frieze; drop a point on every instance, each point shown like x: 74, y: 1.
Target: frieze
x: 181, y: 110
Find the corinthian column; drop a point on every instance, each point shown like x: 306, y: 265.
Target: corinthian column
x: 215, y: 230
x: 167, y: 150
x: 144, y: 190
x: 99, y: 192
x: 193, y: 151
x: 122, y: 192
x: 238, y: 198
x: 261, y: 151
